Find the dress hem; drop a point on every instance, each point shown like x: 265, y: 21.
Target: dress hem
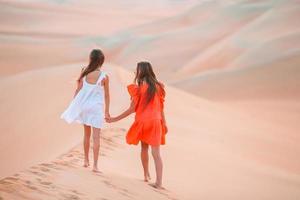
x: 145, y: 142
x: 88, y: 124
x: 81, y: 122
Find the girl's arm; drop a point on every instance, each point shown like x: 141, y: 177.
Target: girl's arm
x: 106, y: 97
x: 127, y: 112
x: 79, y: 86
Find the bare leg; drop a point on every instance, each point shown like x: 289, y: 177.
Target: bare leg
x: 158, y: 166
x: 96, y: 147
x: 145, y: 161
x: 86, y: 144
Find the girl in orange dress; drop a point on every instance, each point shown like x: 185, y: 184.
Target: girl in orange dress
x: 149, y: 127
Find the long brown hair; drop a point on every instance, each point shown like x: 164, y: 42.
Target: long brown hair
x: 144, y: 73
x: 96, y: 60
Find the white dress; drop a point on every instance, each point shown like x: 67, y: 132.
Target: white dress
x: 88, y: 105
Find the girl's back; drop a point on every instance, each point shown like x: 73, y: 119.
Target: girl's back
x: 147, y: 110
x: 93, y: 77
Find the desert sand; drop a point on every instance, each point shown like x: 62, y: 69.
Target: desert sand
x: 232, y: 80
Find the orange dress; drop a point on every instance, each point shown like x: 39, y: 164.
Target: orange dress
x: 148, y: 126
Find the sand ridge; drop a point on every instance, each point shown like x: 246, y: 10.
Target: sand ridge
x: 219, y: 146
x: 232, y: 79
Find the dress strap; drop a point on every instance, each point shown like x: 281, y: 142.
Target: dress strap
x: 101, y: 77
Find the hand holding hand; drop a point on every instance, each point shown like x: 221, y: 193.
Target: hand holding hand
x: 107, y: 115
x: 110, y: 119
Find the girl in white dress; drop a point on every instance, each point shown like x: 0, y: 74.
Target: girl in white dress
x: 90, y: 104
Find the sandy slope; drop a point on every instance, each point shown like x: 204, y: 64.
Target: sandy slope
x: 216, y: 152
x: 242, y: 54
x: 65, y: 178
x: 276, y: 80
x: 199, y: 51
x: 29, y: 119
x: 38, y: 33
x: 80, y: 18
x: 187, y: 35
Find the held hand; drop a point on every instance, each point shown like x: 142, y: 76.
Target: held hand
x: 111, y: 119
x: 107, y: 115
x: 108, y: 119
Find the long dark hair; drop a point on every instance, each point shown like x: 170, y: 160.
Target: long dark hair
x: 96, y: 61
x: 144, y: 73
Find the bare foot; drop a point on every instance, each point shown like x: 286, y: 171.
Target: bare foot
x: 96, y: 170
x: 156, y: 186
x: 86, y: 163
x: 147, y: 178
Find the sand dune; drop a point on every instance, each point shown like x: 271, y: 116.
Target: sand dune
x: 276, y: 80
x: 28, y: 120
x: 201, y: 132
x: 65, y: 178
x: 29, y: 102
x: 36, y: 34
x: 256, y: 43
x: 232, y: 79
x: 241, y: 34
x: 82, y: 18
x: 171, y: 50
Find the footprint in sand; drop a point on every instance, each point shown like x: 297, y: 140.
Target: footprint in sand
x: 51, y: 166
x: 28, y: 184
x: 76, y: 192
x: 5, y: 183
x: 64, y: 164
x: 120, y: 190
x: 45, y: 183
x: 31, y: 187
x: 12, y: 179
x: 70, y: 196
x: 165, y: 193
x: 37, y: 173
x: 44, y: 169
